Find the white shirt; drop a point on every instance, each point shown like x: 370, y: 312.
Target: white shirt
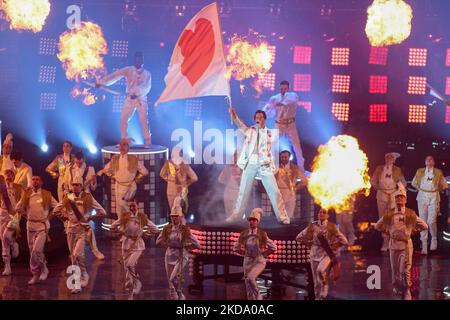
x: 427, y: 181
x: 74, y: 171
x: 386, y: 180
x: 284, y: 173
x: 123, y: 175
x: 139, y: 82
x: 287, y: 111
x: 174, y: 244
x: 23, y: 175
x: 36, y: 211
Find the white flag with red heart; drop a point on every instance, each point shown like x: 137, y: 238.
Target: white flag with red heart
x: 197, y: 67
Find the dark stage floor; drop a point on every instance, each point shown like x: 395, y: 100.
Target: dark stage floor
x: 431, y: 276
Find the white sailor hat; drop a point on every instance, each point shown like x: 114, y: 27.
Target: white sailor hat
x: 395, y: 155
x: 255, y: 214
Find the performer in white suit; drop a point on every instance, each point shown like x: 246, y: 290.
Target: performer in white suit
x: 255, y: 246
x: 24, y: 173
x: 139, y: 83
x: 127, y: 171
x: 325, y: 240
x: 5, y: 158
x: 58, y: 166
x: 430, y: 181
x: 401, y: 223
x: 283, y: 107
x: 256, y: 157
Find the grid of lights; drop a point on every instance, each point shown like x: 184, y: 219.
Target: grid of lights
x: 273, y: 51
x: 222, y: 243
x: 194, y: 108
x: 378, y: 84
x: 417, y: 113
x: 447, y: 115
x: 302, y: 82
x: 118, y: 102
x: 119, y: 48
x: 48, y: 101
x: 341, y: 83
x: 305, y: 104
x: 340, y: 111
x: 378, y: 113
x: 47, y: 46
x: 417, y: 85
x: 302, y: 55
x: 340, y: 56
x: 47, y: 74
x: 378, y: 56
x: 447, y: 86
x: 447, y: 59
x: 267, y: 80
x: 417, y: 57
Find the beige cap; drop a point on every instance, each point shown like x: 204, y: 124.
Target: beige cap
x: 255, y: 214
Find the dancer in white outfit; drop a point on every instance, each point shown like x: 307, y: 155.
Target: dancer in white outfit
x: 283, y: 107
x: 256, y: 157
x: 430, y: 181
x: 139, y: 83
x: 255, y: 246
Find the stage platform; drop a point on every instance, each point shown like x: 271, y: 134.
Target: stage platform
x: 217, y: 241
x: 151, y: 191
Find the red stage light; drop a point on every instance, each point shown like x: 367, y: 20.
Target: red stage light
x: 447, y: 86
x: 417, y: 57
x: 302, y: 82
x: 302, y: 55
x: 447, y: 60
x: 340, y: 111
x: 378, y: 56
x: 340, y: 56
x: 447, y: 115
x: 273, y: 51
x: 378, y: 84
x: 417, y: 113
x: 417, y: 85
x: 378, y: 113
x: 341, y: 83
x: 268, y: 81
x: 305, y: 104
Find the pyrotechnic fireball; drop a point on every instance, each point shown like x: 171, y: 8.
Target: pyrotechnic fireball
x: 86, y: 96
x: 388, y: 22
x: 340, y: 170
x: 247, y: 60
x: 26, y: 14
x: 81, y: 51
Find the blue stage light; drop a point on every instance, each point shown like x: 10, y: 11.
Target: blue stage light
x: 92, y: 149
x: 44, y: 147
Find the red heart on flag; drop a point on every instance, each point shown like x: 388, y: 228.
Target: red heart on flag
x: 197, y: 49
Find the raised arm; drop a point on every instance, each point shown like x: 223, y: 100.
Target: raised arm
x: 238, y: 122
x: 112, y: 78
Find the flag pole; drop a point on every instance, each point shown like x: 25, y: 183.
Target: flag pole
x: 227, y: 98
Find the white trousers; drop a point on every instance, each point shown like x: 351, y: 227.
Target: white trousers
x: 129, y: 107
x: 290, y: 132
x: 345, y: 223
x: 401, y: 262
x: 77, y: 243
x: 289, y: 201
x: 320, y: 272
x: 36, y: 243
x: 270, y: 184
x: 250, y: 280
x: 7, y: 238
x: 427, y: 211
x: 130, y: 261
x: 123, y: 193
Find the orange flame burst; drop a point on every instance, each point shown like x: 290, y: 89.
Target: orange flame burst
x: 87, y: 97
x: 26, y: 14
x: 247, y: 60
x: 340, y: 171
x: 81, y: 51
